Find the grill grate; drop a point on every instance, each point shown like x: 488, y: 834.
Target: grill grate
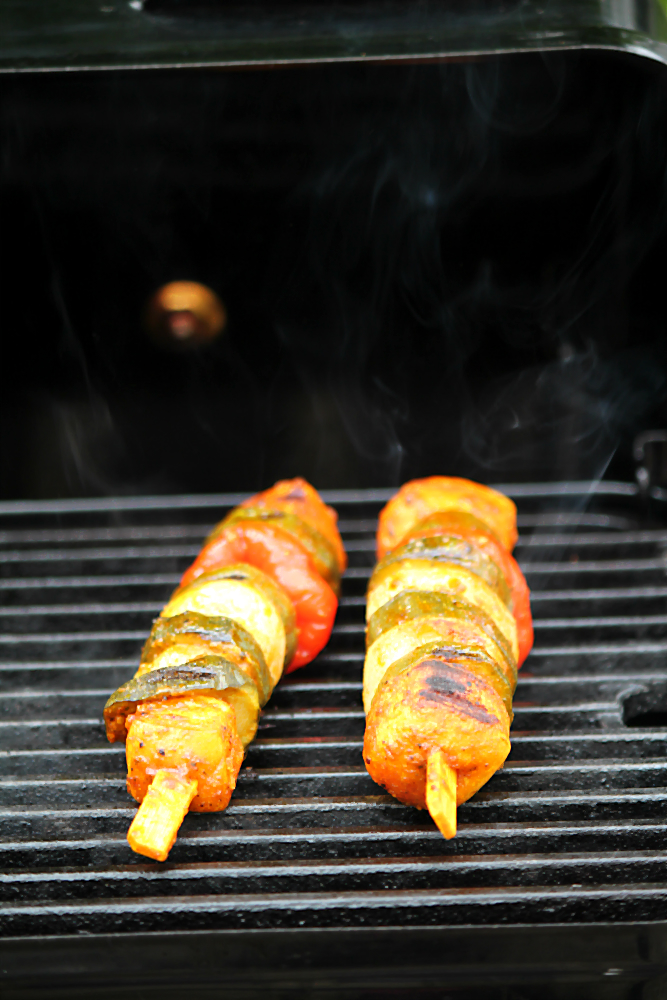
x: 572, y: 829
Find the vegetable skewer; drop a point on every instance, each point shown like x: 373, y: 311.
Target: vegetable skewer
x: 260, y: 598
x: 448, y: 623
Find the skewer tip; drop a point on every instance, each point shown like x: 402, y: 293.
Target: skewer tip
x: 441, y: 793
x: 158, y: 819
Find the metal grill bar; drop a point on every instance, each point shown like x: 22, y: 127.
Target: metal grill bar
x: 571, y: 829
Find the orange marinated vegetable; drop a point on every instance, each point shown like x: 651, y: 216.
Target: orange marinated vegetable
x: 434, y: 703
x: 448, y: 615
x: 193, y: 737
x: 422, y: 497
x: 254, y: 603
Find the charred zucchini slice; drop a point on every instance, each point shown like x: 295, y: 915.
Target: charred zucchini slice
x: 450, y: 549
x: 411, y: 604
x: 247, y: 595
x: 209, y: 674
x: 205, y: 636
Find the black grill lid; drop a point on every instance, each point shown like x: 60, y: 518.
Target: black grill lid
x: 39, y: 35
x: 572, y: 831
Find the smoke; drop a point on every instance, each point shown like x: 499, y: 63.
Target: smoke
x: 463, y: 285
x: 370, y: 270
x: 500, y: 101
x: 569, y: 413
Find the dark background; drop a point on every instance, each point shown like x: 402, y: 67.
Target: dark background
x: 427, y: 269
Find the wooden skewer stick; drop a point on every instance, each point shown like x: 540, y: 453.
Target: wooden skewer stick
x: 441, y: 793
x: 165, y: 804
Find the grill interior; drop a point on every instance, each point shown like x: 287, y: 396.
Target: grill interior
x: 571, y: 831
x: 365, y: 227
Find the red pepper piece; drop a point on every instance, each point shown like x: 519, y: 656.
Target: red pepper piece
x: 281, y: 557
x: 296, y: 496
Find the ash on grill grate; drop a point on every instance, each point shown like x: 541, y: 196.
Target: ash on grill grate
x: 573, y: 829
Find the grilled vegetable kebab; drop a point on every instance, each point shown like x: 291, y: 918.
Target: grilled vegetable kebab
x: 260, y: 599
x: 448, y: 624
